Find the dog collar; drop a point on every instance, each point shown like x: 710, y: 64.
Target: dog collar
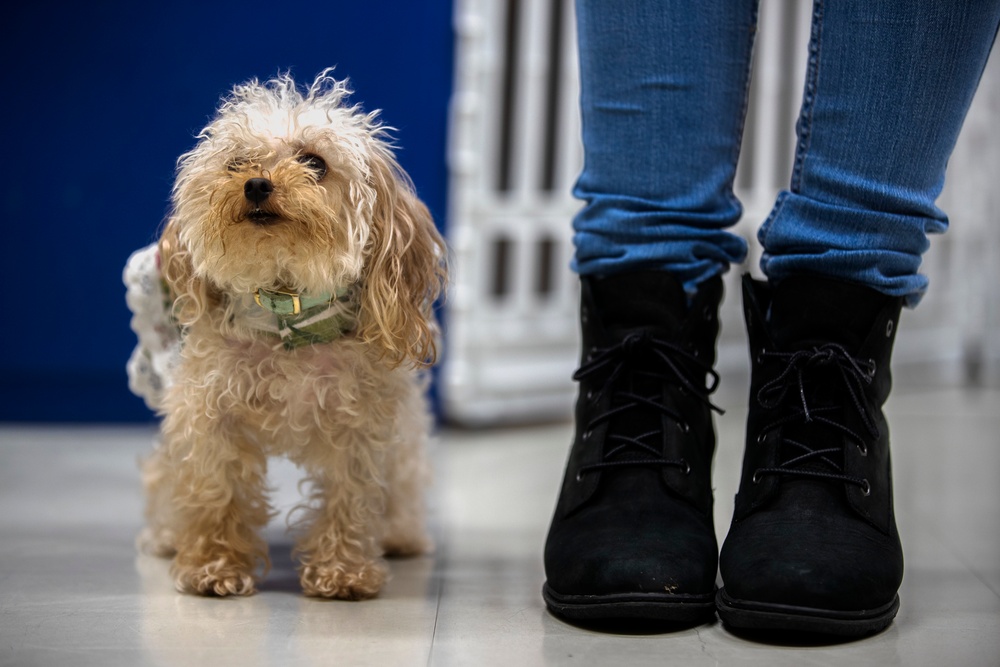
x: 310, y: 319
x: 290, y: 303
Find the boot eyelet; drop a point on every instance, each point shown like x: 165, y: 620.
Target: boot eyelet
x: 687, y: 467
x: 866, y: 488
x: 872, y: 368
x: 707, y: 313
x: 889, y: 326
x: 760, y: 357
x: 590, y: 394
x: 756, y: 477
x: 762, y: 438
x: 684, y: 427
x: 585, y: 437
x: 579, y: 477
x: 863, y: 449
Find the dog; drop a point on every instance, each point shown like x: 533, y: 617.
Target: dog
x: 301, y: 272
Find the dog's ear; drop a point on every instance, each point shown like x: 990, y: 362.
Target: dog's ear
x: 405, y: 271
x: 190, y: 295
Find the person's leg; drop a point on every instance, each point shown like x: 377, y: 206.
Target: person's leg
x: 888, y: 87
x: 813, y: 543
x: 663, y: 98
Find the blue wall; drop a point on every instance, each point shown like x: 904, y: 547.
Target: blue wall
x: 100, y: 98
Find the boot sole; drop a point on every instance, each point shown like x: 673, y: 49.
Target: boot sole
x: 749, y: 615
x: 648, y: 606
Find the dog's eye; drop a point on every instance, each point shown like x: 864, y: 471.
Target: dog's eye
x: 237, y: 164
x: 315, y: 163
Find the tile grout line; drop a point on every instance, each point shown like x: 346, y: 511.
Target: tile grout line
x: 439, y: 570
x: 936, y: 530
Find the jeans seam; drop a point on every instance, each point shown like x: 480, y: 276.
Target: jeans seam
x: 747, y: 79
x: 762, y: 233
x: 809, y: 97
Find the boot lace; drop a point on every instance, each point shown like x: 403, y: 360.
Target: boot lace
x: 642, y: 355
x: 799, y: 371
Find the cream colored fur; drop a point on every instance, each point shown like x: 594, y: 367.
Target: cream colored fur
x: 352, y: 412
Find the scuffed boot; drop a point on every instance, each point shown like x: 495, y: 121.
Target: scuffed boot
x: 813, y: 545
x: 632, y: 535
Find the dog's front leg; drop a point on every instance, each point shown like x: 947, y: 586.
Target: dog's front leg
x: 339, y: 549
x: 219, y: 503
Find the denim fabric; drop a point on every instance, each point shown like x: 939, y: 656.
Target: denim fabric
x: 663, y: 94
x: 663, y: 98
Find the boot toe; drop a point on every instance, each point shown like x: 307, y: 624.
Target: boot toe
x: 599, y: 553
x: 846, y: 568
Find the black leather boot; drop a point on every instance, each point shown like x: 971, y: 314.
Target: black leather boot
x: 813, y: 545
x: 632, y: 535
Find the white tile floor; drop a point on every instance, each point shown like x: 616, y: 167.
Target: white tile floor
x: 74, y: 592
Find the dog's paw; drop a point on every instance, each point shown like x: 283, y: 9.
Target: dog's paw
x: 342, y: 582
x: 217, y: 578
x: 156, y: 542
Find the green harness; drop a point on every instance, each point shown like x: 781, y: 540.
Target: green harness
x: 307, y: 320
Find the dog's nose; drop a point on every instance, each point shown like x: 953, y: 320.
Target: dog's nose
x: 257, y: 190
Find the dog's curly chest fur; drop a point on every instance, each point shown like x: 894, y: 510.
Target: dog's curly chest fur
x: 294, y: 391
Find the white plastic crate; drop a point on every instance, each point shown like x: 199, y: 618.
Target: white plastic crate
x: 514, y: 153
x: 513, y: 156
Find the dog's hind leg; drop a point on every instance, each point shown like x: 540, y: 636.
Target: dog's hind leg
x: 407, y: 478
x: 157, y: 537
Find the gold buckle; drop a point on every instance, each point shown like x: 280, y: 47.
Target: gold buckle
x: 296, y: 301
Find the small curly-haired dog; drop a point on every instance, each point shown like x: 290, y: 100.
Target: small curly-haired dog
x: 302, y: 271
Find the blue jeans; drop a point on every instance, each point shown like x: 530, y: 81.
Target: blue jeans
x: 663, y: 97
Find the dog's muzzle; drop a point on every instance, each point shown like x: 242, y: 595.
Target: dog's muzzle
x: 257, y: 191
